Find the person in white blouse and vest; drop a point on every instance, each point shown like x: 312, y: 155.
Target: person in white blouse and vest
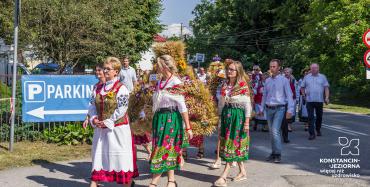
x: 99, y: 74
x: 113, y: 151
x: 168, y: 131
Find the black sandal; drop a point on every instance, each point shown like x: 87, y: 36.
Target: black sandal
x: 173, y: 182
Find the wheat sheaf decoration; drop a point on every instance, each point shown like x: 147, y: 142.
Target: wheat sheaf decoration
x: 199, y: 100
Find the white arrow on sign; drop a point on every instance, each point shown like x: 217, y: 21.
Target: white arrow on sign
x: 40, y: 112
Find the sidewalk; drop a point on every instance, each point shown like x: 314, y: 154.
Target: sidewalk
x: 195, y: 173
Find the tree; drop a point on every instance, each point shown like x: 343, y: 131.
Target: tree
x: 299, y: 32
x: 333, y: 38
x: 6, y: 15
x: 245, y: 29
x: 72, y: 31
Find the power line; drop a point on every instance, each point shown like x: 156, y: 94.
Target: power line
x: 253, y: 45
x: 255, y: 42
x: 253, y: 31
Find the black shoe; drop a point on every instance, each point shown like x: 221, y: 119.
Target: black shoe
x: 265, y: 129
x: 311, y: 137
x: 271, y: 157
x: 277, y: 159
x: 286, y: 141
x: 318, y: 133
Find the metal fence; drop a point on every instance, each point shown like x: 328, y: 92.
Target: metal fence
x: 22, y: 131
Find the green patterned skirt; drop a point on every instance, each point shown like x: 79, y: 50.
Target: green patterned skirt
x: 234, y: 141
x: 168, y: 139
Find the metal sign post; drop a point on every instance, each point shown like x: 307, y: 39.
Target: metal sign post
x: 14, y: 85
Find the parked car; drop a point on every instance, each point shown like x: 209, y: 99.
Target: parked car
x: 50, y: 69
x: 46, y: 68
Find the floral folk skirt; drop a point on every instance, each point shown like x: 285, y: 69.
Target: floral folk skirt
x: 168, y: 139
x: 234, y: 141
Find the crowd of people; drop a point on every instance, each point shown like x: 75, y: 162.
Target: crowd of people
x: 270, y: 99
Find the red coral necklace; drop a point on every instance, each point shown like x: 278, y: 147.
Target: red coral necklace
x: 104, y: 86
x: 165, y: 84
x: 229, y: 88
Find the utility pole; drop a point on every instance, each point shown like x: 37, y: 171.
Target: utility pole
x: 181, y: 31
x: 14, y: 85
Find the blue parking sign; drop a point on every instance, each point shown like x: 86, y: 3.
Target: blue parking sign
x: 48, y: 98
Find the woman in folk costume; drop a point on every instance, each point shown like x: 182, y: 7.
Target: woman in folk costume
x: 235, y: 107
x: 113, y: 151
x: 168, y: 131
x: 99, y: 74
x: 260, y: 119
x: 143, y: 139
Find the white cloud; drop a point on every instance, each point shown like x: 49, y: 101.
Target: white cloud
x: 175, y: 29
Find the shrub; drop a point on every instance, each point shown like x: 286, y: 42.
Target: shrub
x: 71, y: 134
x: 21, y: 133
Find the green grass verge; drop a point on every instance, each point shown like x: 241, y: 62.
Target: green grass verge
x: 349, y: 108
x: 30, y: 153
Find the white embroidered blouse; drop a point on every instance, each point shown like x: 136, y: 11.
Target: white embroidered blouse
x: 163, y: 99
x: 242, y: 100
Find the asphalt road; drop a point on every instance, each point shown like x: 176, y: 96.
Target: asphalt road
x: 304, y: 162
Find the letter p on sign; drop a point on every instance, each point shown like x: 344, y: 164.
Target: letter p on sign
x: 34, y: 91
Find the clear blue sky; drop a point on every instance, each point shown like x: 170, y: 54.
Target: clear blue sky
x: 178, y: 11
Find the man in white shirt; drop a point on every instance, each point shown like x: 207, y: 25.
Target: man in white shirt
x: 314, y: 87
x: 127, y: 74
x: 277, y: 95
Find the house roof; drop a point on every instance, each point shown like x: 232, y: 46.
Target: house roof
x: 158, y: 38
